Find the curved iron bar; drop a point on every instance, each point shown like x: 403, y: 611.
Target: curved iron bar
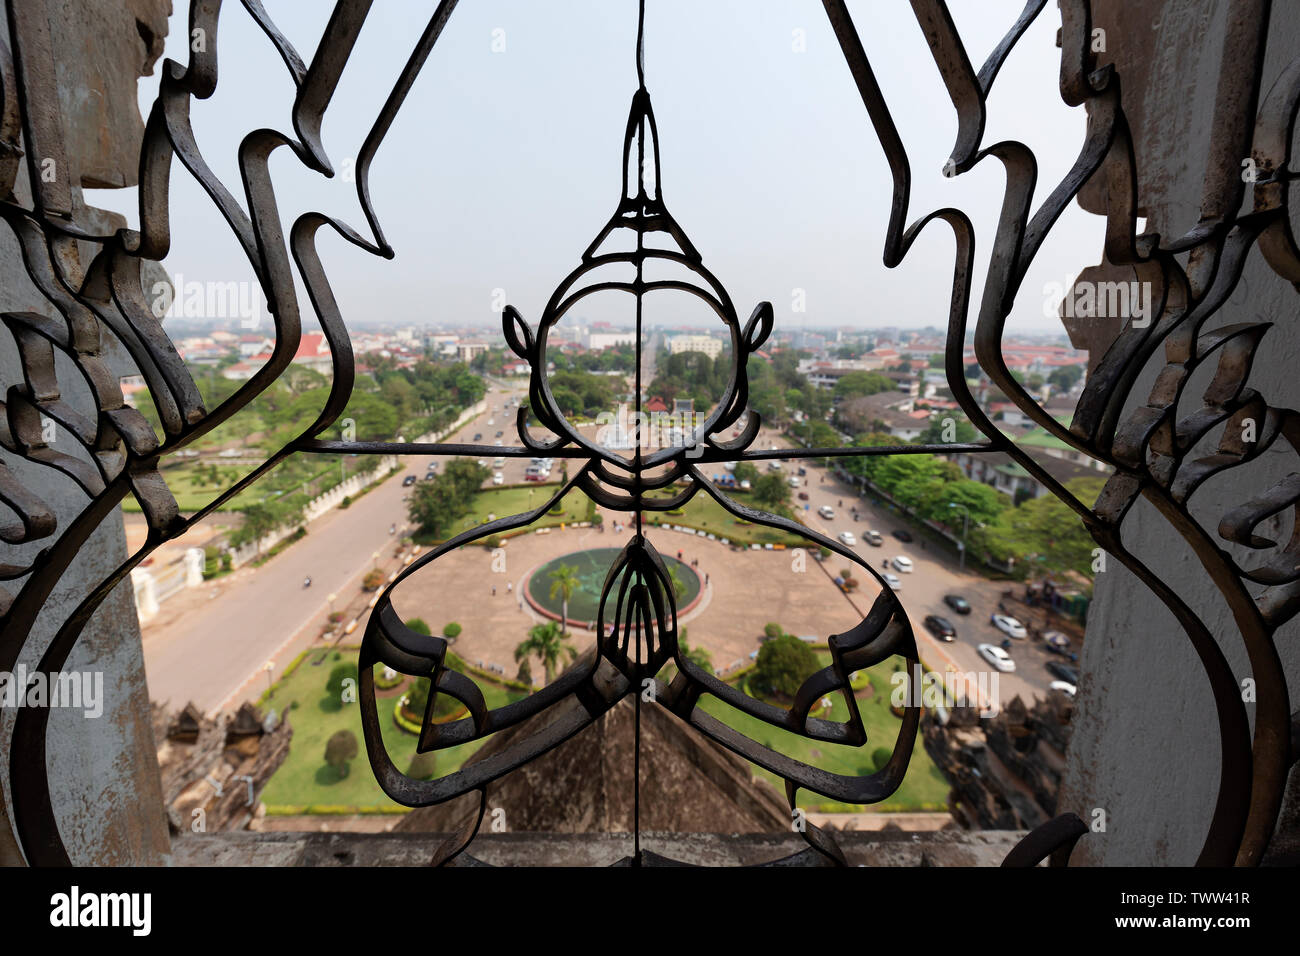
x: 1149, y: 450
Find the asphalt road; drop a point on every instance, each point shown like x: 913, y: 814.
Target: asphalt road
x: 218, y: 650
x: 922, y: 591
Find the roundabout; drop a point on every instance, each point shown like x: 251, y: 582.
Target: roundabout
x: 590, y: 567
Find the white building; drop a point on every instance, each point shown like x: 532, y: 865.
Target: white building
x: 695, y: 343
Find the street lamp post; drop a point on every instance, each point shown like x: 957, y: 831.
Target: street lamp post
x: 965, y: 527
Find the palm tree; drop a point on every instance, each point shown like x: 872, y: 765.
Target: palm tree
x: 548, y: 643
x: 675, y: 576
x: 564, y: 581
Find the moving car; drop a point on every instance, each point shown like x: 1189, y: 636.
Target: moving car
x: 957, y: 603
x: 873, y: 538
x: 903, y: 563
x: 1009, y: 626
x: 803, y: 496
x: 940, y: 627
x: 892, y: 581
x: 902, y: 535
x: 999, y: 658
x: 1064, y: 686
x: 847, y: 538
x: 1063, y: 672
x: 826, y: 511
x: 408, y: 481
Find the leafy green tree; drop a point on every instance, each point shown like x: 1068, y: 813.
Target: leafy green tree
x: 1065, y: 377
x: 938, y: 430
x: 784, y: 663
x: 340, y: 750
x: 548, y: 643
x: 771, y: 491
x: 745, y: 471
x: 435, y: 505
x: 856, y: 384
x: 1043, y: 535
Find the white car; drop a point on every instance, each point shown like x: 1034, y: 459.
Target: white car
x: 996, y: 656
x: 498, y: 463
x: 903, y: 563
x: 1009, y: 626
x: 482, y: 462
x: 498, y: 479
x: 826, y: 511
x: 892, y: 581
x: 773, y: 466
x: 1064, y: 686
x: 792, y: 481
x: 846, y: 537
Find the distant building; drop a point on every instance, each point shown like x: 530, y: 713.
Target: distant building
x: 695, y: 343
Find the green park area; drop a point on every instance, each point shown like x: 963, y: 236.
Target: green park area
x: 309, y: 783
x: 923, y: 788
x: 306, y: 782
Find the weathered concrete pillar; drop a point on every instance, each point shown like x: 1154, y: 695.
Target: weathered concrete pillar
x: 103, y: 771
x: 1145, y: 745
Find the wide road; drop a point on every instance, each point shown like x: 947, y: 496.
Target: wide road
x: 922, y: 591
x: 214, y: 652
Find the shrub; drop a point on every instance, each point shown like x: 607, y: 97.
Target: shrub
x: 373, y: 580
x: 418, y: 625
x: 451, y: 631
x: 340, y: 750
x: 346, y: 502
x: 784, y: 663
x: 773, y: 630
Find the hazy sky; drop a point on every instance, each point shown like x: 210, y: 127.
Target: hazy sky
x: 502, y: 166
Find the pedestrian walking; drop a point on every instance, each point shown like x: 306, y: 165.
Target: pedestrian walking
x: 494, y: 590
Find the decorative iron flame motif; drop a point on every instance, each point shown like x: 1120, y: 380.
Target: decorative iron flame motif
x: 1150, y: 449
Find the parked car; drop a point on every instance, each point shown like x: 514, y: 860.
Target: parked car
x: 957, y: 603
x: 498, y: 479
x: 872, y: 538
x: 744, y: 484
x: 826, y: 511
x: 940, y: 627
x: 999, y: 658
x: 1064, y: 686
x: 803, y: 496
x: 499, y: 434
x: 1063, y: 672
x: 1009, y: 626
x: 902, y: 535
x: 892, y: 581
x: 773, y: 466
x: 803, y: 471
x: 846, y: 537
x: 408, y: 481
x: 482, y: 462
x: 477, y: 436
x: 498, y: 462
x: 903, y: 563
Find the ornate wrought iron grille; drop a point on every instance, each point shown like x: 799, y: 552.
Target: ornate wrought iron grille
x: 1149, y: 448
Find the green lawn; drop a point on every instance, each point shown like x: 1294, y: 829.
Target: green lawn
x: 703, y: 513
x: 304, y: 779
x: 924, y: 788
